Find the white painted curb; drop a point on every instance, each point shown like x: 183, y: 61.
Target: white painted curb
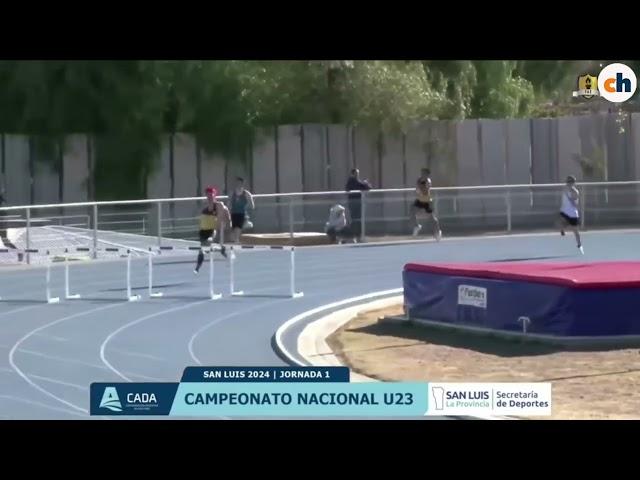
x: 312, y: 345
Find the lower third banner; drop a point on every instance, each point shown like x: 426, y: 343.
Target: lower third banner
x: 368, y: 399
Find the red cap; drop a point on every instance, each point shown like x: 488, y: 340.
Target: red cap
x: 212, y: 191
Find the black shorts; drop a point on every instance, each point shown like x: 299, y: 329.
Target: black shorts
x: 204, y: 236
x: 426, y: 206
x: 570, y: 220
x: 237, y: 220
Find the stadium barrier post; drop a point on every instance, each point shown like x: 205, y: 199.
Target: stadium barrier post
x: 67, y: 290
x: 363, y: 210
x: 214, y: 296
x: 50, y: 299
x: 292, y: 275
x: 95, y: 231
x: 150, y: 271
x: 28, y: 235
x: 508, y: 200
x: 130, y: 297
x: 582, y: 206
x: 159, y: 224
x: 291, y: 229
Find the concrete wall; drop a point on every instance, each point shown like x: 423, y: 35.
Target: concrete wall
x: 46, y: 183
x: 469, y: 171
x: 544, y: 165
x: 340, y: 155
x: 569, y: 146
x: 185, y: 178
x: 319, y: 157
x: 264, y: 179
x: 518, y: 142
x: 159, y: 181
x: 416, y: 147
x: 76, y: 169
x: 395, y: 209
x: 17, y: 174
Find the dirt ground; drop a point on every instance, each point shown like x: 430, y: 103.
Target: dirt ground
x: 586, y: 384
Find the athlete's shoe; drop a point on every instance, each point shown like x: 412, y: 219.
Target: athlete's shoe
x: 223, y: 251
x: 416, y: 230
x: 195, y: 271
x: 438, y: 235
x: 562, y: 232
x: 581, y: 249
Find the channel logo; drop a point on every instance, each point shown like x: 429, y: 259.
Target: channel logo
x: 617, y: 83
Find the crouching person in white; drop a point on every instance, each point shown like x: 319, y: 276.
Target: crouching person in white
x: 336, y: 228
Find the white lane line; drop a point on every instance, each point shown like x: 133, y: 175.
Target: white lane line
x: 62, y: 359
x: 135, y: 322
x: 221, y: 319
x: 140, y: 355
x: 59, y: 382
x: 51, y: 337
x: 21, y: 309
x: 85, y: 364
x: 314, y: 311
x: 43, y: 405
x: 142, y: 319
x: 16, y: 346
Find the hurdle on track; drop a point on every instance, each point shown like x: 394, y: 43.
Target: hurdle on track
x: 49, y: 298
x: 210, y: 250
x: 70, y: 296
x: 292, y: 267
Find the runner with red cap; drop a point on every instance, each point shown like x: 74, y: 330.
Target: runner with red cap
x: 214, y: 215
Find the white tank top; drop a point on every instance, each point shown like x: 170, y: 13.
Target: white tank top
x: 568, y: 207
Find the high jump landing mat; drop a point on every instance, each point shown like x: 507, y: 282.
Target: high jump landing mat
x: 550, y: 299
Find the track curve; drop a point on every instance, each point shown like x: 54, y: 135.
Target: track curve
x: 50, y: 354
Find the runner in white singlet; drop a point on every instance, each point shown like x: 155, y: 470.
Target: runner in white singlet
x: 569, y: 213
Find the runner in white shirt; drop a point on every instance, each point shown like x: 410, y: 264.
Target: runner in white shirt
x: 569, y: 214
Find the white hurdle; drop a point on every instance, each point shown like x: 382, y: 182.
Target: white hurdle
x: 50, y: 299
x: 130, y: 296
x: 67, y: 284
x: 152, y: 294
x: 67, y: 291
x: 292, y: 267
x: 212, y: 294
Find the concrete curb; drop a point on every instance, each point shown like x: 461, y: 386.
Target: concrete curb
x: 313, y: 348
x: 312, y: 342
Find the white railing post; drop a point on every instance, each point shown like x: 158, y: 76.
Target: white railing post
x: 291, y: 219
x: 583, y: 210
x: 95, y: 231
x: 159, y: 224
x: 28, y: 235
x: 508, y: 200
x: 363, y: 212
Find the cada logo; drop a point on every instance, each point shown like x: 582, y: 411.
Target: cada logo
x: 110, y: 400
x: 617, y: 82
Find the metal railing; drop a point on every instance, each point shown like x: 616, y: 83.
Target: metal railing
x: 374, y: 215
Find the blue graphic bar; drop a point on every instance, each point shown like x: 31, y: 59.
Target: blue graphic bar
x: 266, y: 374
x: 132, y: 398
x: 367, y: 399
